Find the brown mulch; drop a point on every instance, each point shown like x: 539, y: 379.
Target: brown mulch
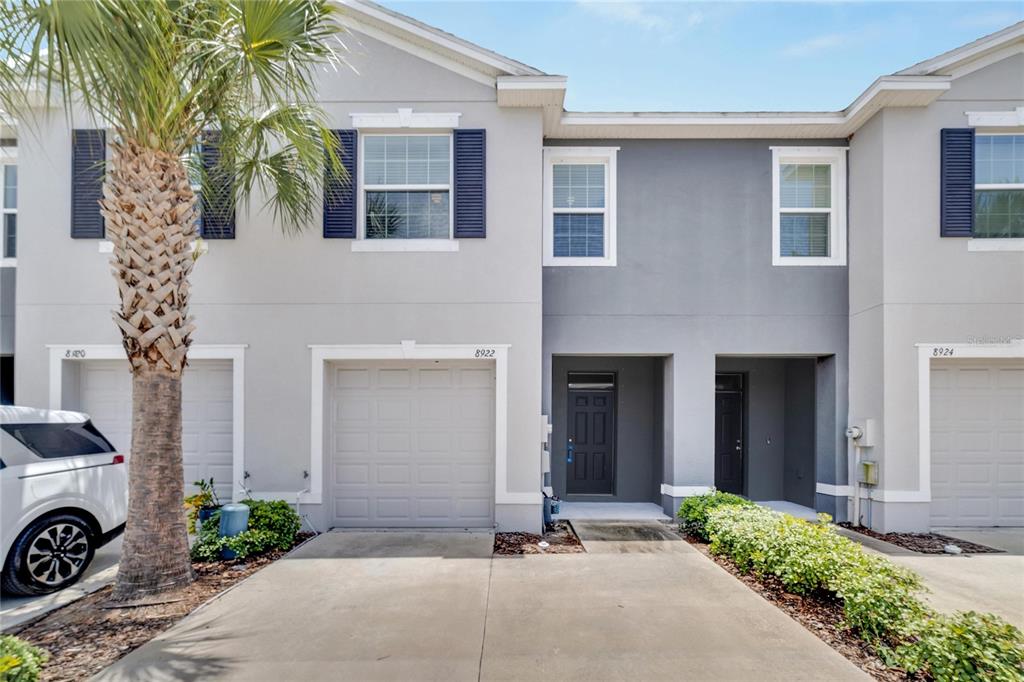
x: 561, y: 539
x: 926, y: 543
x: 821, y: 613
x: 88, y: 635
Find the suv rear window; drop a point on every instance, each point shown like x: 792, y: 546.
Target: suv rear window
x: 53, y: 441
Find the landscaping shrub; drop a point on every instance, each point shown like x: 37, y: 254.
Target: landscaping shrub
x: 19, y: 660
x: 694, y: 510
x: 880, y: 599
x: 964, y: 646
x: 272, y: 525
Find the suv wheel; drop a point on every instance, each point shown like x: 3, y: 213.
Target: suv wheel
x: 49, y: 555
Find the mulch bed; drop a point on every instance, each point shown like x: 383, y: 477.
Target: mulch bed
x: 821, y: 613
x: 87, y: 635
x: 561, y: 539
x: 926, y: 543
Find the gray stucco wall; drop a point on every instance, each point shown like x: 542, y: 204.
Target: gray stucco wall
x: 694, y: 280
x: 909, y: 285
x: 638, y: 442
x: 279, y: 294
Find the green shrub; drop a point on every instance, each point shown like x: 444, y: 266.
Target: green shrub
x: 272, y: 525
x: 880, y: 599
x: 694, y: 510
x: 19, y: 660
x: 964, y: 646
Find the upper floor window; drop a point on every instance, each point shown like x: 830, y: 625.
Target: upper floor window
x: 9, y: 205
x: 579, y: 205
x: 407, y: 181
x: 808, y: 206
x: 999, y: 186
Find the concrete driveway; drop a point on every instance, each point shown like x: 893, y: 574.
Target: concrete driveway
x: 437, y: 606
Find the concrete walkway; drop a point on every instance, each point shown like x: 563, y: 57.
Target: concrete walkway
x: 437, y: 606
x: 991, y: 583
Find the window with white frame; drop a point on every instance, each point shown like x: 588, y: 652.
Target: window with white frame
x: 809, y: 205
x: 999, y: 186
x: 9, y: 204
x: 579, y: 205
x: 406, y: 186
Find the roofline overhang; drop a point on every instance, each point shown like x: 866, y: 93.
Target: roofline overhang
x: 887, y: 91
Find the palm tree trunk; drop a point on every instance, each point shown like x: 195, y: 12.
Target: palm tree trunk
x: 154, y: 555
x: 149, y: 209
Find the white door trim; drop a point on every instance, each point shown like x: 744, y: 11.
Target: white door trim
x: 926, y: 353
x: 410, y: 350
x: 236, y: 353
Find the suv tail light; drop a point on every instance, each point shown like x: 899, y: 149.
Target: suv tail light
x: 118, y: 459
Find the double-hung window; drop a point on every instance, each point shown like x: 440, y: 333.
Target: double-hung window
x: 579, y: 205
x: 999, y: 186
x: 9, y: 203
x: 808, y: 206
x: 407, y: 182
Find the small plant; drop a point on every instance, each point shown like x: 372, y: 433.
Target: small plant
x: 694, y: 510
x: 19, y: 660
x: 272, y: 525
x: 964, y: 646
x: 202, y: 503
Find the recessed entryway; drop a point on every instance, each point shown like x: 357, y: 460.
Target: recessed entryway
x: 607, y: 437
x: 766, y: 432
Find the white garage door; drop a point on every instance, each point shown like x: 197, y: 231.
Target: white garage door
x: 977, y: 435
x: 105, y: 393
x: 412, y: 444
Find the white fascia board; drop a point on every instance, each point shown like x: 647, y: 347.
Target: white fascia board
x: 955, y: 57
x: 532, y: 82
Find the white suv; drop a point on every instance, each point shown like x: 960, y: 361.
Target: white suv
x: 63, y: 493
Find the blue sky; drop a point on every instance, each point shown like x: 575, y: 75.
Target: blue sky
x: 714, y: 56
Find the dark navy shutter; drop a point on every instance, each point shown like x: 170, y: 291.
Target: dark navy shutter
x: 88, y: 154
x: 470, y: 183
x: 957, y: 204
x: 340, y: 193
x: 218, y: 206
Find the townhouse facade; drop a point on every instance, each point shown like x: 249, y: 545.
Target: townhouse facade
x: 511, y: 300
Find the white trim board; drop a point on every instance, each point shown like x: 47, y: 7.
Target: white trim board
x: 685, y: 490
x: 496, y: 353
x: 61, y: 353
x: 407, y: 118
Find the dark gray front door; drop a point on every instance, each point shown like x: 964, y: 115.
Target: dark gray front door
x: 591, y: 443
x: 729, y: 437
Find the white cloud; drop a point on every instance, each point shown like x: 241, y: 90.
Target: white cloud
x: 820, y: 43
x: 633, y: 13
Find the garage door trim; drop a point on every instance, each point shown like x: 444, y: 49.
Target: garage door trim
x: 496, y: 353
x: 926, y: 354
x: 59, y: 354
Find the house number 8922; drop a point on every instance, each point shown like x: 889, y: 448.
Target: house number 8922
x: 484, y: 352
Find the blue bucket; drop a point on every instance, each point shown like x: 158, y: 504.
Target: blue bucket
x: 234, y: 519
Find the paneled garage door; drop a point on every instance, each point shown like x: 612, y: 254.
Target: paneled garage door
x: 977, y: 438
x: 105, y: 393
x: 412, y: 444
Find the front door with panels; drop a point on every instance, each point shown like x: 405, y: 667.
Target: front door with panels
x: 729, y: 446
x: 590, y: 450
